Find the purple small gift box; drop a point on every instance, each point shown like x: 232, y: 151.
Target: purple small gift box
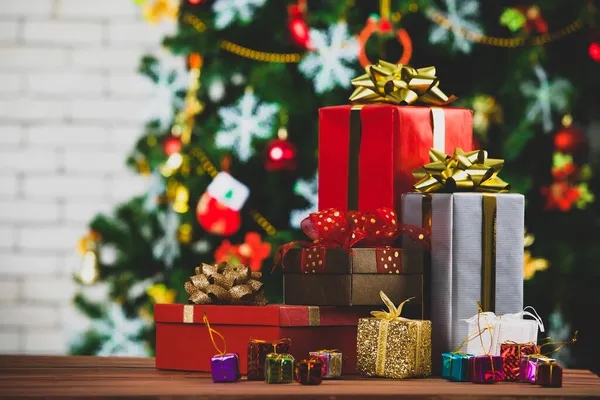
x: 225, y: 367
x: 332, y: 362
x: 528, y: 368
x: 487, y: 369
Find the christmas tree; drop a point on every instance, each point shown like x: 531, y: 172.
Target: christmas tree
x: 231, y: 165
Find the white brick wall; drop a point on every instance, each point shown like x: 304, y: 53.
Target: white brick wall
x: 71, y: 107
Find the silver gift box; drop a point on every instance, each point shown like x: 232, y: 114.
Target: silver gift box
x: 456, y: 259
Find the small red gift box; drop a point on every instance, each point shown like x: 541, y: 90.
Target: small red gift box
x: 511, y: 354
x: 367, y: 154
x: 183, y: 342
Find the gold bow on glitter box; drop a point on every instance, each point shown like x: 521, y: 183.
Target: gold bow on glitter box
x: 400, y: 84
x: 225, y: 284
x: 392, y: 346
x: 461, y: 172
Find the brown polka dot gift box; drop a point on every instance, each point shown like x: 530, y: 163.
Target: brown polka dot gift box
x: 333, y: 270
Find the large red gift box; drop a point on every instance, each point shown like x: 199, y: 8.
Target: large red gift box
x: 367, y: 153
x: 183, y: 342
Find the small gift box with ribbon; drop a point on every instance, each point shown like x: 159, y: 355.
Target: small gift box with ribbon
x: 332, y: 362
x: 330, y: 270
x: 509, y: 329
x: 259, y: 350
x: 456, y: 367
x: 392, y: 346
x: 279, y: 368
x: 476, y: 245
x: 512, y: 353
x: 548, y: 373
x: 310, y: 372
x: 368, y: 150
x: 224, y: 367
x: 528, y: 368
x: 487, y: 369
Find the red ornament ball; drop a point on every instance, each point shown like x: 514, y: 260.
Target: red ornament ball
x: 385, y: 26
x: 195, y: 1
x: 172, y: 145
x: 298, y: 28
x: 217, y: 218
x: 594, y: 51
x: 299, y: 32
x: 281, y: 155
x: 569, y: 140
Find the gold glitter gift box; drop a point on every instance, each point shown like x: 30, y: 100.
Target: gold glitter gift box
x: 391, y: 346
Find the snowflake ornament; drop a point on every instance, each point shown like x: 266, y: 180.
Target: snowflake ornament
x: 460, y: 14
x: 172, y: 78
x: 122, y: 334
x: 307, y: 188
x: 247, y: 118
x: 327, y: 65
x: 167, y: 247
x: 545, y: 96
x: 228, y: 10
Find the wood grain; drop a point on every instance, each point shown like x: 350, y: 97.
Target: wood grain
x: 96, y: 377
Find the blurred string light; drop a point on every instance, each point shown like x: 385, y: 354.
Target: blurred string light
x: 88, y: 247
x: 476, y: 37
x: 594, y: 51
x: 242, y: 51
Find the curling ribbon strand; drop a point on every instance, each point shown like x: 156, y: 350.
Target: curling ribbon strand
x: 212, y: 339
x: 562, y: 344
x: 489, y: 328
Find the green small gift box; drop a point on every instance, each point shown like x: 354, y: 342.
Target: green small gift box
x: 279, y: 368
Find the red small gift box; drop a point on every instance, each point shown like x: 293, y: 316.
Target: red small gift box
x: 183, y: 342
x: 548, y: 373
x: 511, y: 354
x: 367, y: 154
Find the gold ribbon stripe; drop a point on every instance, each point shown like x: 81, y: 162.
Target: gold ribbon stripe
x: 314, y: 316
x: 488, y: 254
x: 188, y: 314
x: 382, y: 337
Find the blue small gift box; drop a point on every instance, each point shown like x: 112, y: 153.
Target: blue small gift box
x: 456, y: 367
x: 225, y: 367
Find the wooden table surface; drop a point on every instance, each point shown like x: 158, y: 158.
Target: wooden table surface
x: 78, y: 377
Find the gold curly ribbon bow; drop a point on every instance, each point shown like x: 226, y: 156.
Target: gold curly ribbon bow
x: 385, y: 82
x: 461, y: 172
x: 393, y: 312
x: 225, y: 284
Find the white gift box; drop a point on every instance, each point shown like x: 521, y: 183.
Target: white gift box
x: 512, y: 328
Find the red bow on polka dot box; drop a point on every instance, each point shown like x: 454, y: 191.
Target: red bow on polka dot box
x: 350, y: 258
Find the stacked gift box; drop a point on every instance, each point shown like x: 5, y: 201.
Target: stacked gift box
x: 410, y: 217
